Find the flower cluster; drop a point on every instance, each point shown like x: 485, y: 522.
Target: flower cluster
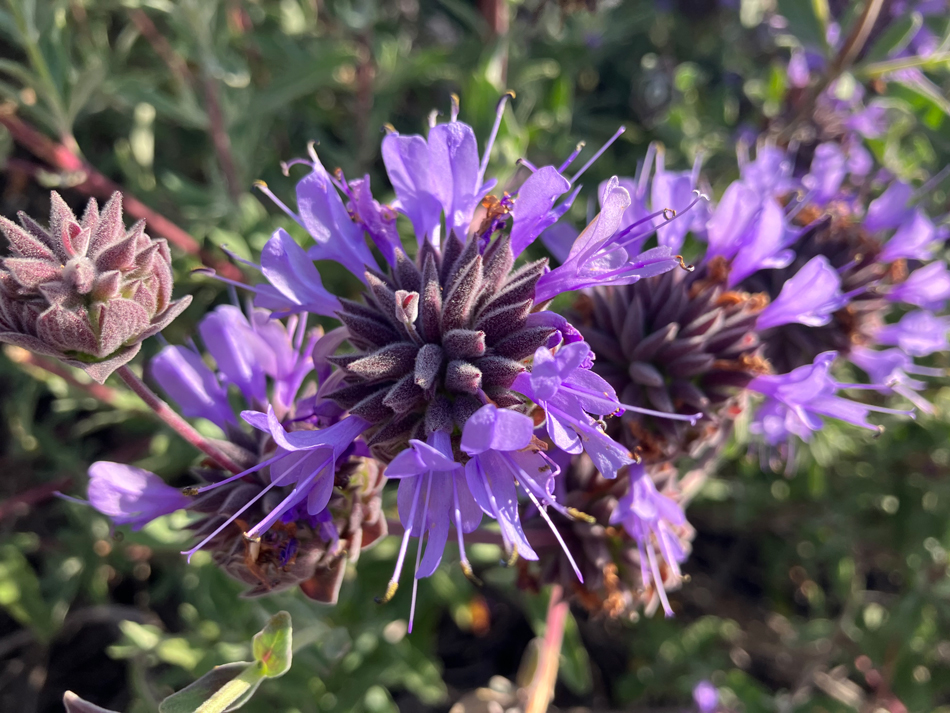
x: 797, y: 277
x: 565, y: 432
x: 307, y: 499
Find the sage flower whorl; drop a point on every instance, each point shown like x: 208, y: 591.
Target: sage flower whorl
x: 86, y: 292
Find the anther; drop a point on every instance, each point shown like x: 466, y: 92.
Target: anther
x: 669, y: 214
x: 389, y: 129
x: 470, y: 575
x: 190, y: 491
x: 682, y: 262
x: 512, y: 558
x: 583, y: 516
x: 390, y: 593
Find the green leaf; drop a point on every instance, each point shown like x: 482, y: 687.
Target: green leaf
x: 272, y: 645
x: 895, y: 37
x: 804, y: 21
x: 20, y: 593
x: 223, y: 688
x: 574, y: 670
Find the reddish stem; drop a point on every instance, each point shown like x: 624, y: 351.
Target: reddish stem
x: 100, y: 392
x: 174, y: 421
x: 33, y: 496
x: 541, y: 689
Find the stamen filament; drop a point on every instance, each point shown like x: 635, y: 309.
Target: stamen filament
x: 598, y: 154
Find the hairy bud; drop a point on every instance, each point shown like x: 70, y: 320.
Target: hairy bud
x: 84, y: 291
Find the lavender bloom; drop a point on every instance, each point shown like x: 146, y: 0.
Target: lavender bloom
x: 294, y: 283
x: 247, y: 351
x: 236, y: 349
x: 918, y: 333
x: 307, y: 460
x: 808, y: 298
x: 563, y: 385
x: 504, y: 455
x: 433, y: 495
x: 795, y: 402
x: 892, y: 368
x: 890, y: 209
x: 192, y: 385
x: 598, y: 256
x: 914, y: 240
x: 131, y: 496
x: 534, y: 210
x: 648, y: 517
x: 927, y: 287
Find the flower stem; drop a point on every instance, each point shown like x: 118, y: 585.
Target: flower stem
x: 174, y: 421
x: 541, y: 688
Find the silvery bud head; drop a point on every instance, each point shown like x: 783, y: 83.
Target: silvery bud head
x: 84, y: 291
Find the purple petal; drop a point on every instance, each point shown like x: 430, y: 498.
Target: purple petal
x: 890, y: 209
x: 407, y: 164
x: 193, y: 386
x: 491, y: 428
x: 295, y: 282
x: 131, y: 496
x: 453, y: 160
x: 809, y: 297
x: 532, y: 211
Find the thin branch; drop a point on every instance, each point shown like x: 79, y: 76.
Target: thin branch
x: 33, y: 496
x: 26, y: 358
x: 92, y: 183
x: 209, y: 86
x: 220, y: 138
x: 843, y: 60
x: 174, y: 421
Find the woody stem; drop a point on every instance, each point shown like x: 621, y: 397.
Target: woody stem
x: 174, y: 421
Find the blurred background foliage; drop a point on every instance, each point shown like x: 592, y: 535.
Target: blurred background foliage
x: 821, y: 589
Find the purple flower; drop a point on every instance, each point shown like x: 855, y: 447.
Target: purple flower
x: 828, y: 171
x: 809, y: 298
x: 889, y: 209
x: 192, y: 385
x: 763, y: 246
x: 672, y: 190
x: 705, y: 696
x: 131, y: 496
x: 648, y: 517
x: 891, y: 368
x: 918, y: 333
x: 927, y: 287
x: 499, y: 442
x: 796, y: 401
x: 915, y: 239
x: 562, y: 384
x: 440, y: 174
x: 294, y: 283
x: 378, y: 221
x: 433, y: 495
x: 305, y: 459
x: 237, y: 351
x: 731, y: 220
x: 769, y: 174
x: 599, y: 254
x: 325, y: 217
x: 534, y: 209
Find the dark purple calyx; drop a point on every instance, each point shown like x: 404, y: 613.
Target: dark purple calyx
x: 436, y: 338
x: 677, y: 343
